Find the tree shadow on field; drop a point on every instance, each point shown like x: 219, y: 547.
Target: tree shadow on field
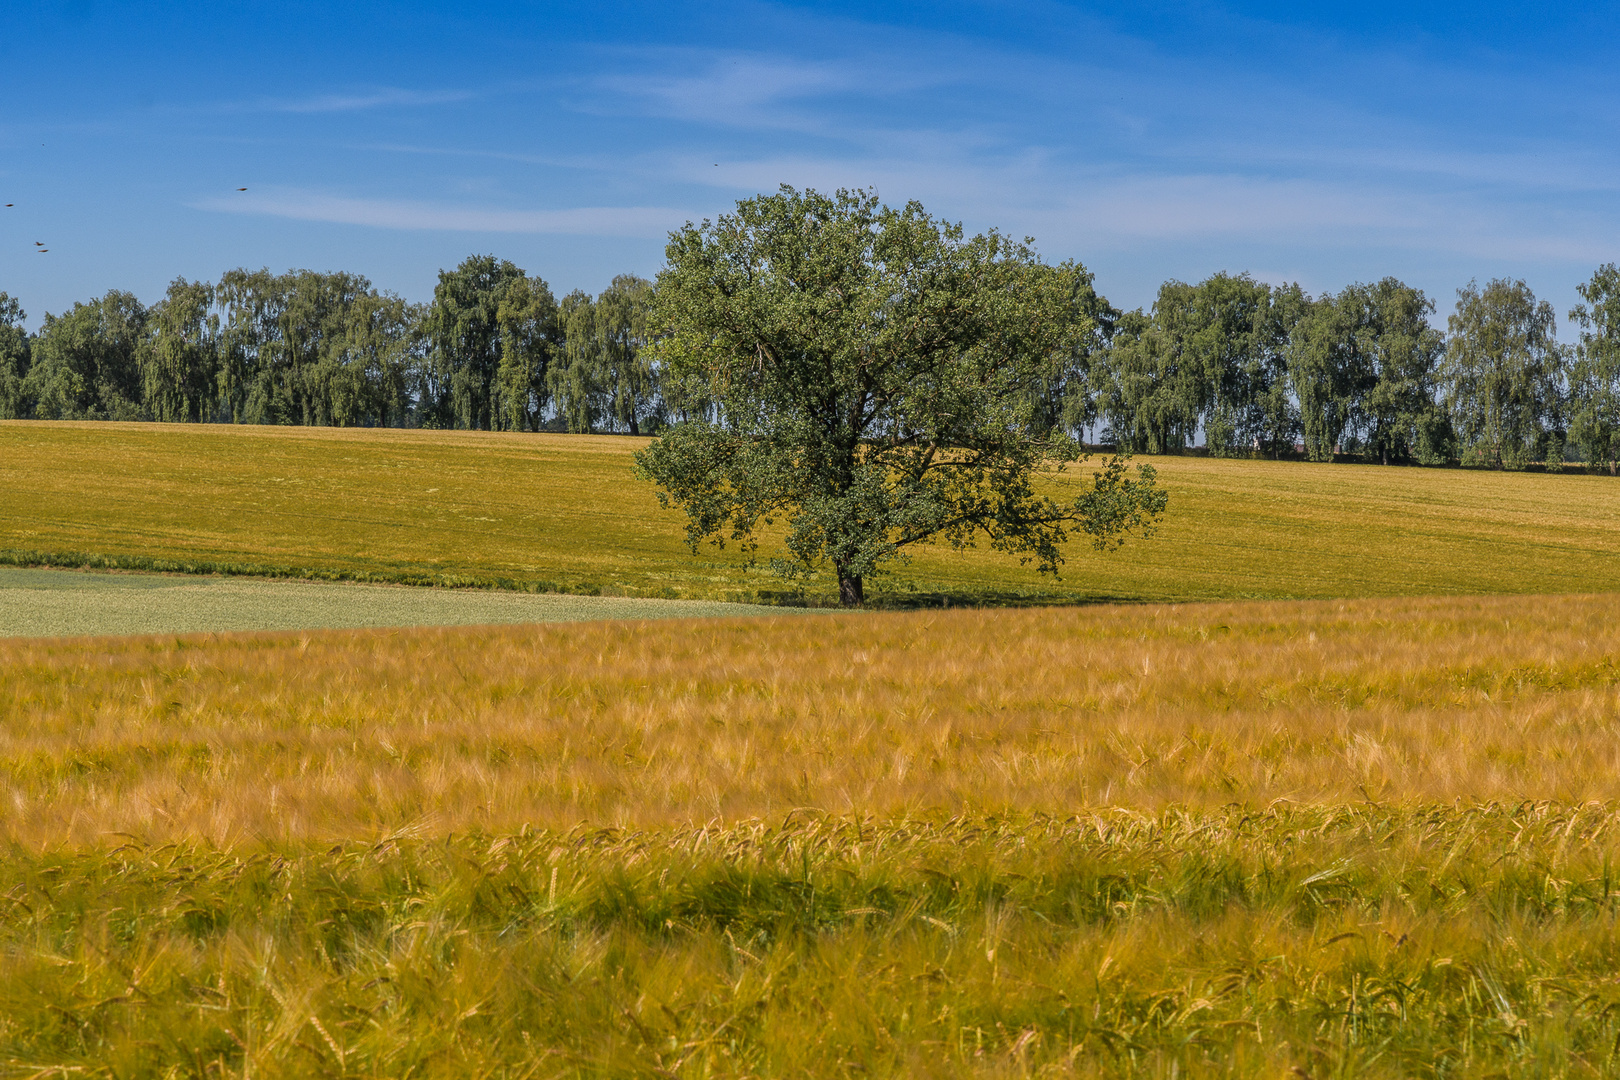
x: 939, y: 599
x: 992, y: 598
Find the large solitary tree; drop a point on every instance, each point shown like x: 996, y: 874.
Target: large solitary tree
x: 873, y: 374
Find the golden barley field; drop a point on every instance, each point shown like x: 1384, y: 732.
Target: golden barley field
x: 351, y: 734
x: 1285, y: 942
x: 562, y: 512
x: 1369, y: 837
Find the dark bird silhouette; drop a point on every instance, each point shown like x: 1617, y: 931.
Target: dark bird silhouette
x: 38, y: 244
x: 241, y: 189
x: 11, y: 204
x: 42, y: 251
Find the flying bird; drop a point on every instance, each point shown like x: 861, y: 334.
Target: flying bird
x: 42, y: 251
x: 38, y: 244
x: 11, y: 204
x: 241, y: 189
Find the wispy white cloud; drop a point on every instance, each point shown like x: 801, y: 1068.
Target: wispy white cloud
x: 1327, y: 155
x: 1127, y: 146
x: 729, y: 82
x: 1549, y: 165
x: 769, y: 91
x: 300, y: 205
x: 1127, y: 149
x: 463, y: 152
x: 357, y: 101
x: 1078, y: 208
x: 1321, y: 214
x: 1338, y: 115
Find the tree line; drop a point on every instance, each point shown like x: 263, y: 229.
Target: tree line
x: 1248, y: 368
x: 1271, y: 370
x: 493, y: 350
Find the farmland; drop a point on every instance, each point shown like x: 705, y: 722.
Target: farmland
x: 347, y: 734
x: 1366, y: 941
x: 1371, y: 835
x: 565, y: 513
x: 1208, y: 839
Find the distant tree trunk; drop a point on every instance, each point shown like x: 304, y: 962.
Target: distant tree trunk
x: 851, y: 592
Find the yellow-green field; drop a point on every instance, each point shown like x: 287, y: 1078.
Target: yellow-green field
x: 564, y: 512
x: 1370, y: 836
x: 1360, y: 838
x: 1287, y: 942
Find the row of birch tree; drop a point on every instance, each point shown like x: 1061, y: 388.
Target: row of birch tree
x: 493, y: 350
x: 1251, y: 368
x: 1236, y: 365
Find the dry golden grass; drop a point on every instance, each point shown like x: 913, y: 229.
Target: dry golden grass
x: 563, y: 511
x: 343, y: 734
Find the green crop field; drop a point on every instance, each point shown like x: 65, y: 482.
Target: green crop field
x: 55, y: 603
x: 557, y: 512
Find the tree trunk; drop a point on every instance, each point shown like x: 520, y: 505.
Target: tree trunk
x: 850, y: 591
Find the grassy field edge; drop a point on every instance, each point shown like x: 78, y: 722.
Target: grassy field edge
x: 562, y: 514
x: 883, y: 594
x: 80, y: 560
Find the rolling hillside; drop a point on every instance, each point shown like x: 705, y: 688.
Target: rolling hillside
x: 565, y: 513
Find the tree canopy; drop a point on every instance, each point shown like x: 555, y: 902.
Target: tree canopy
x: 874, y: 375
x: 1213, y: 354
x: 83, y: 365
x: 1503, y: 376
x: 14, y: 350
x: 1595, y: 377
x: 1363, y: 366
x: 464, y: 325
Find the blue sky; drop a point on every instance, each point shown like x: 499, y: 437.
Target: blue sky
x: 1324, y: 143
